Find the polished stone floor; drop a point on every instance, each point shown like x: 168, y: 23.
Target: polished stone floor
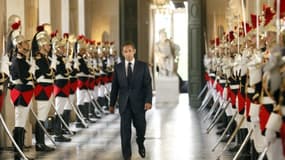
x: 174, y: 132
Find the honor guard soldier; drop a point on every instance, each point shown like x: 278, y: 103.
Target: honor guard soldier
x: 102, y: 62
x: 69, y: 41
x: 92, y: 80
x: 83, y: 97
x: 43, y: 87
x: 61, y: 87
x: 21, y: 86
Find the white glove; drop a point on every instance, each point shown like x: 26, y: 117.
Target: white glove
x: 33, y: 67
x: 53, y: 62
x: 68, y: 65
x: 5, y: 64
x: 76, y: 64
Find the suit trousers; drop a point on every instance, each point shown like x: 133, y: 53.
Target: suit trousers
x: 139, y: 122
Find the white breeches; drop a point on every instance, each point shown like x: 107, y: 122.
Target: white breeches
x: 21, y: 115
x: 43, y: 109
x: 95, y: 92
x: 275, y: 150
x: 101, y: 91
x: 72, y: 99
x: 82, y: 96
x: 61, y: 103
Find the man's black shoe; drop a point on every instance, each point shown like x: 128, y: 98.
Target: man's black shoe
x: 142, y: 151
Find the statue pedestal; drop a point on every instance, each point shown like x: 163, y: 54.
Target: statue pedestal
x: 167, y: 89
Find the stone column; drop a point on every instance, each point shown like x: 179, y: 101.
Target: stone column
x: 44, y: 11
x: 65, y: 16
x: 55, y: 10
x: 3, y: 24
x: 195, y: 58
x: 143, y: 47
x: 31, y: 17
x: 81, y: 17
x: 73, y: 19
x: 129, y: 21
x: 3, y: 33
x: 31, y: 22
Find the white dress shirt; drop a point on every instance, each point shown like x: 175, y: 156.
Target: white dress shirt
x: 127, y: 64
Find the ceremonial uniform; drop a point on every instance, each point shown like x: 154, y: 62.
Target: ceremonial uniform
x: 43, y: 87
x: 61, y: 92
x: 21, y: 93
x: 83, y: 97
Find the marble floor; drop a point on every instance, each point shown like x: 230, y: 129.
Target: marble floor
x: 174, y: 132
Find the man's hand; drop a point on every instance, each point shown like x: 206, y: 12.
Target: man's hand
x: 147, y: 106
x: 112, y: 109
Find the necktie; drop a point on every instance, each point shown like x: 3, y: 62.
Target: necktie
x: 130, y: 73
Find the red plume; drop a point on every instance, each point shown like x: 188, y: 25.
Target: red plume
x: 40, y: 28
x: 231, y: 36
x: 217, y: 41
x: 247, y: 27
x: 53, y: 34
x: 80, y: 37
x: 268, y: 14
x: 66, y: 35
x: 92, y: 42
x: 16, y: 25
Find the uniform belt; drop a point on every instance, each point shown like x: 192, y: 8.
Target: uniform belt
x: 234, y: 86
x: 222, y: 81
x: 81, y: 74
x: 250, y: 90
x: 60, y: 77
x: 41, y: 79
x: 267, y: 100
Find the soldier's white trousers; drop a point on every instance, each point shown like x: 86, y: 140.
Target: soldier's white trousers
x: 82, y: 96
x: 21, y: 115
x: 275, y: 151
x: 72, y: 99
x: 61, y: 103
x: 95, y: 92
x: 43, y: 109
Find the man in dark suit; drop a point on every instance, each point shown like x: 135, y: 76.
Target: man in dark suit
x: 132, y: 86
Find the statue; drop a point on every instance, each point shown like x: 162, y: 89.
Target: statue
x: 166, y: 55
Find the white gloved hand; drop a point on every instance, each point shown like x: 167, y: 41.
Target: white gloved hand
x: 68, y: 65
x: 76, y: 64
x: 33, y: 67
x: 5, y: 64
x: 53, y: 62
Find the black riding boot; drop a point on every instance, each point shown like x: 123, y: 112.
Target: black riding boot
x: 79, y: 124
x: 19, y: 137
x: 66, y: 117
x: 86, y: 110
x: 40, y: 139
x: 58, y: 131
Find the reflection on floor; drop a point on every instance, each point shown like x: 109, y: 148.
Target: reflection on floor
x: 173, y: 133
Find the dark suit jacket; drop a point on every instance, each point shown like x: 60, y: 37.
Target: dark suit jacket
x: 138, y: 92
